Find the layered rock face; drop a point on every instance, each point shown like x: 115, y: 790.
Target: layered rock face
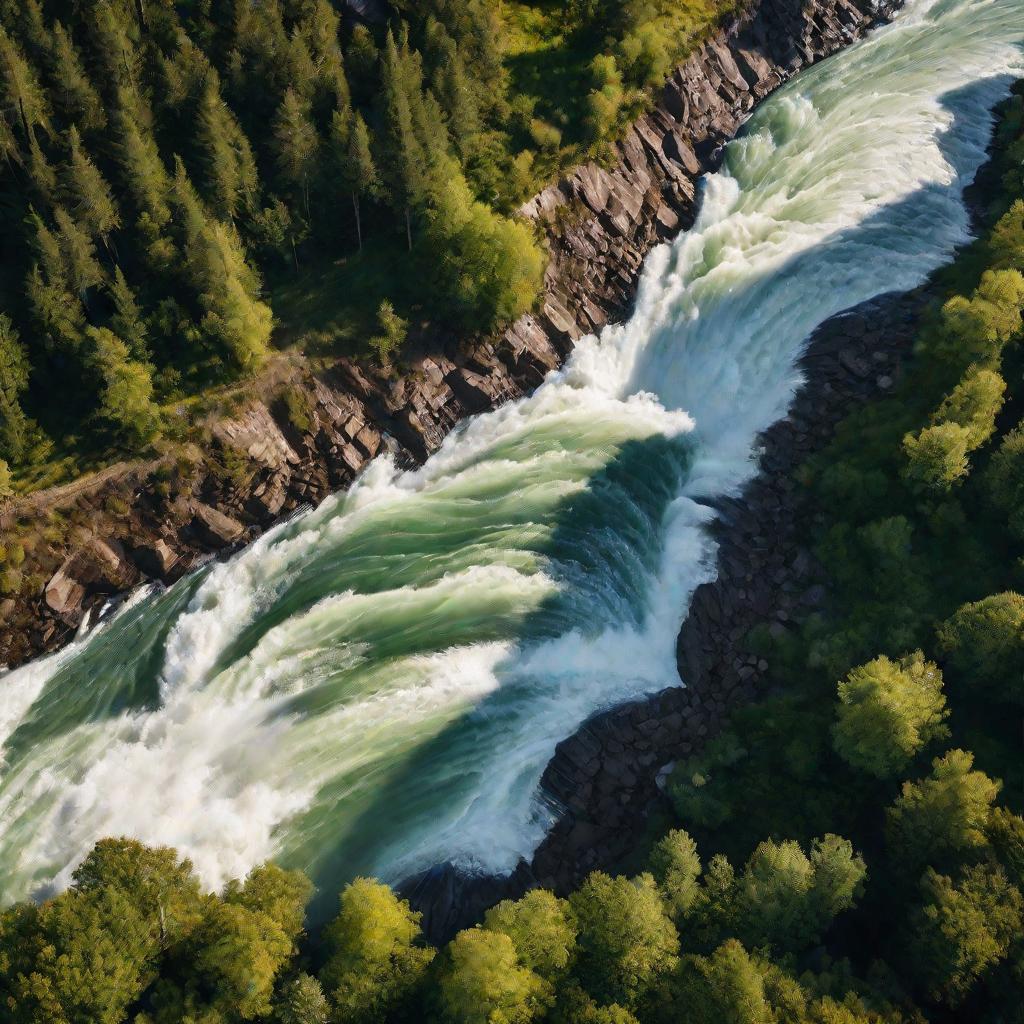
x: 133, y: 524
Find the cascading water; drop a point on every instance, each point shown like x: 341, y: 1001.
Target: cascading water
x: 377, y: 685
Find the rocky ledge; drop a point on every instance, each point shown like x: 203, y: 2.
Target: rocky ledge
x: 312, y: 434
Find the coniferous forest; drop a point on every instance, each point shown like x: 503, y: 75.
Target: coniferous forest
x: 172, y: 170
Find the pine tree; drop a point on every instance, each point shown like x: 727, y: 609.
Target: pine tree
x: 319, y: 30
x: 228, y: 162
x: 144, y: 173
x: 126, y: 395
x: 234, y: 321
x: 87, y: 193
x: 355, y: 163
x: 83, y: 270
x: 73, y: 92
x: 21, y: 94
x: 127, y: 321
x: 404, y: 158
x: 295, y: 144
x: 42, y: 173
x: 57, y: 313
x: 14, y: 372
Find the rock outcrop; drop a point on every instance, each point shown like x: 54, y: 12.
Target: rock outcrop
x: 312, y: 435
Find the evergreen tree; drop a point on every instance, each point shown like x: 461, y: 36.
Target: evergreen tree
x: 228, y: 163
x: 676, y: 868
x: 376, y: 964
x: 83, y: 269
x: 14, y: 374
x: 354, y: 157
x: 73, y: 92
x: 302, y: 1001
x: 128, y: 322
x: 888, y: 711
x: 21, y: 95
x: 404, y: 161
x: 126, y: 392
x: 943, y: 816
x: 88, y: 195
x: 296, y: 144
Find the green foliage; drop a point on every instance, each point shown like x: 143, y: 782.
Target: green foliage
x: 675, y: 864
x: 963, y: 929
x: 376, y: 965
x: 726, y: 987
x: 937, y: 456
x: 985, y: 642
x: 542, y: 930
x: 393, y: 331
x: 14, y: 371
x: 887, y: 712
x: 1005, y: 479
x: 302, y: 1001
x: 626, y: 942
x: 944, y: 815
x: 126, y: 396
x: 481, y: 982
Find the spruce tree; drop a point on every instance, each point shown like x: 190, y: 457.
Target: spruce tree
x: 21, y: 94
x: 227, y: 160
x: 404, y: 160
x: 295, y: 144
x: 356, y: 168
x: 87, y: 193
x: 73, y: 92
x: 83, y: 270
x: 14, y: 372
x: 128, y: 322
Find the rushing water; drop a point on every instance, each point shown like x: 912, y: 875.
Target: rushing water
x: 377, y: 685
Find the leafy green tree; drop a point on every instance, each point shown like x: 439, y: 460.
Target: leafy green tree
x: 302, y: 1001
x: 944, y: 815
x: 786, y: 899
x: 1006, y: 242
x: 626, y: 942
x: 937, y: 456
x: 482, y: 982
x: 83, y: 956
x: 724, y: 988
x: 1005, y: 480
x: 675, y: 864
x: 985, y: 642
x: 887, y: 712
x: 974, y: 403
x: 376, y: 965
x: 542, y: 930
x: 281, y: 895
x: 606, y: 96
x: 14, y: 373
x: 160, y: 887
x: 963, y: 929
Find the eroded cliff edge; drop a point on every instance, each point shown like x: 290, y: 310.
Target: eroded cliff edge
x: 312, y: 434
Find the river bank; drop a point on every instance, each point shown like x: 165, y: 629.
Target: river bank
x: 311, y: 435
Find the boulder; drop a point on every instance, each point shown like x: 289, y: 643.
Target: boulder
x: 213, y: 527
x: 156, y: 559
x: 64, y: 594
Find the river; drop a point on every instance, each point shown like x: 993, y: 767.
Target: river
x: 377, y: 685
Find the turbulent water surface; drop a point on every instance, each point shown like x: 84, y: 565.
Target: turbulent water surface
x: 377, y: 685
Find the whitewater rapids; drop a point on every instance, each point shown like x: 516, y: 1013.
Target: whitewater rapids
x: 377, y: 685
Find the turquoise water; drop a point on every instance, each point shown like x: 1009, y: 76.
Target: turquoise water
x: 377, y: 685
